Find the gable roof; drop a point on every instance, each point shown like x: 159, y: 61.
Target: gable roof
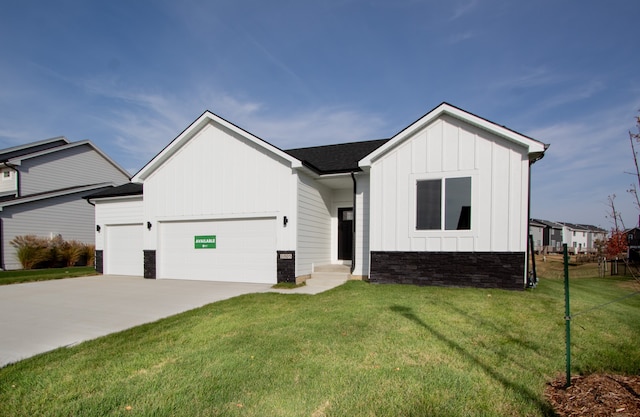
x: 32, y: 147
x: 51, y: 194
x: 338, y: 158
x: 201, y: 122
x: 535, y: 148
x: 17, y: 159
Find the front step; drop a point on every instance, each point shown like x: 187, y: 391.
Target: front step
x: 335, y: 274
x: 332, y: 268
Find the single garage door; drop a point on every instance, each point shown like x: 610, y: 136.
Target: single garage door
x: 244, y: 250
x: 123, y: 253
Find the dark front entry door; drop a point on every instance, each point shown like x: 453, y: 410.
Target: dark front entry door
x: 345, y: 233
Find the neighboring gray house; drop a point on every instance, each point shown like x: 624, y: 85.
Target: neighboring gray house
x: 551, y: 236
x: 536, y: 229
x: 41, y: 189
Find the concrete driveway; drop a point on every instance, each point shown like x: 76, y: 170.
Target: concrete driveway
x: 42, y: 316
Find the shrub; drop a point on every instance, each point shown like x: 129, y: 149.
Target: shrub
x: 89, y: 254
x: 31, y: 250
x: 70, y: 252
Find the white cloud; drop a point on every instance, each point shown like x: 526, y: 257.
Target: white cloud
x: 462, y: 9
x: 587, y: 161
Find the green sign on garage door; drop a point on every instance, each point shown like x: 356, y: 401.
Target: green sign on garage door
x: 204, y: 242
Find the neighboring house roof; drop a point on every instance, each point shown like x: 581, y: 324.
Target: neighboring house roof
x: 28, y: 148
x: 548, y: 223
x: 592, y: 228
x: 535, y: 223
x: 36, y: 152
x: 535, y: 149
x: 574, y: 226
x: 51, y: 194
x: 128, y: 189
x: 339, y: 158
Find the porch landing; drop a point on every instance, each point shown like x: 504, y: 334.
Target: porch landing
x: 323, y: 278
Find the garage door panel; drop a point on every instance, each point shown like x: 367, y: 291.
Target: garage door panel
x: 123, y: 254
x: 245, y: 250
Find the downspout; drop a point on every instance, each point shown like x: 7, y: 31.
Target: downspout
x: 530, y: 249
x: 528, y: 282
x: 353, y: 224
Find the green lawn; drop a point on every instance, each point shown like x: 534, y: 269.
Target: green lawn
x: 20, y: 276
x: 357, y: 350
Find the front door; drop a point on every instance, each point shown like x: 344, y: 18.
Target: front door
x: 345, y: 234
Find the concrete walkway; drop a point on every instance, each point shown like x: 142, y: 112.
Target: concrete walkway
x: 41, y: 316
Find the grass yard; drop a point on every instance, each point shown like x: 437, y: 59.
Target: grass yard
x: 357, y: 350
x: 32, y: 275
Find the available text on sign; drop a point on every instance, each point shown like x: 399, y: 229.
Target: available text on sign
x: 204, y: 242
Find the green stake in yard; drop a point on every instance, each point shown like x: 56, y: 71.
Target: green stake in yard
x: 567, y: 313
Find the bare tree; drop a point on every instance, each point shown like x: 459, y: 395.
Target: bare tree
x: 635, y: 138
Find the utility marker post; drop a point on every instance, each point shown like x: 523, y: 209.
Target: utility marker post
x: 567, y: 313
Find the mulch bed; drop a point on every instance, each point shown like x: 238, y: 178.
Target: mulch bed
x: 595, y: 396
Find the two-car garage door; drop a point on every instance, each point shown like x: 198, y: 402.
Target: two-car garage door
x: 244, y: 250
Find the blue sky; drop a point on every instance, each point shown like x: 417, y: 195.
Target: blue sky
x: 131, y: 75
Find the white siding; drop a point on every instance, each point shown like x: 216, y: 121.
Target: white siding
x: 219, y: 174
x: 121, y: 211
x: 448, y: 147
x: 362, y: 258
x: 314, y: 229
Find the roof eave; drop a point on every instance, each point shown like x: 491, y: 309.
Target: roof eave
x: 195, y: 127
x: 533, y: 146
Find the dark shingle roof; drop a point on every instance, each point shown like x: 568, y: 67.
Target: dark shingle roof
x: 22, y: 150
x: 130, y: 188
x: 339, y: 158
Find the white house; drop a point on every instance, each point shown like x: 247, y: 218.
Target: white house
x: 443, y: 202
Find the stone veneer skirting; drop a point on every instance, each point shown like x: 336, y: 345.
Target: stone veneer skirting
x: 450, y: 269
x: 99, y: 261
x: 150, y: 264
x: 286, y: 266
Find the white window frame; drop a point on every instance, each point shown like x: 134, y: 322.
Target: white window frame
x: 6, y: 177
x: 413, y: 198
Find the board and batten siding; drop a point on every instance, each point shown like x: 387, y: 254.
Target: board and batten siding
x: 74, y: 220
x: 117, y: 211
x: 361, y: 237
x: 75, y: 166
x: 313, y: 225
x: 448, y: 147
x: 221, y: 175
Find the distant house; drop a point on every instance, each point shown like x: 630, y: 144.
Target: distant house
x: 536, y: 229
x: 443, y: 202
x: 633, y: 244
x: 41, y: 189
x: 575, y: 236
x: 551, y: 236
x: 595, y: 236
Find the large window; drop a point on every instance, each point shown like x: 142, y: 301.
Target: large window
x: 449, y: 198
